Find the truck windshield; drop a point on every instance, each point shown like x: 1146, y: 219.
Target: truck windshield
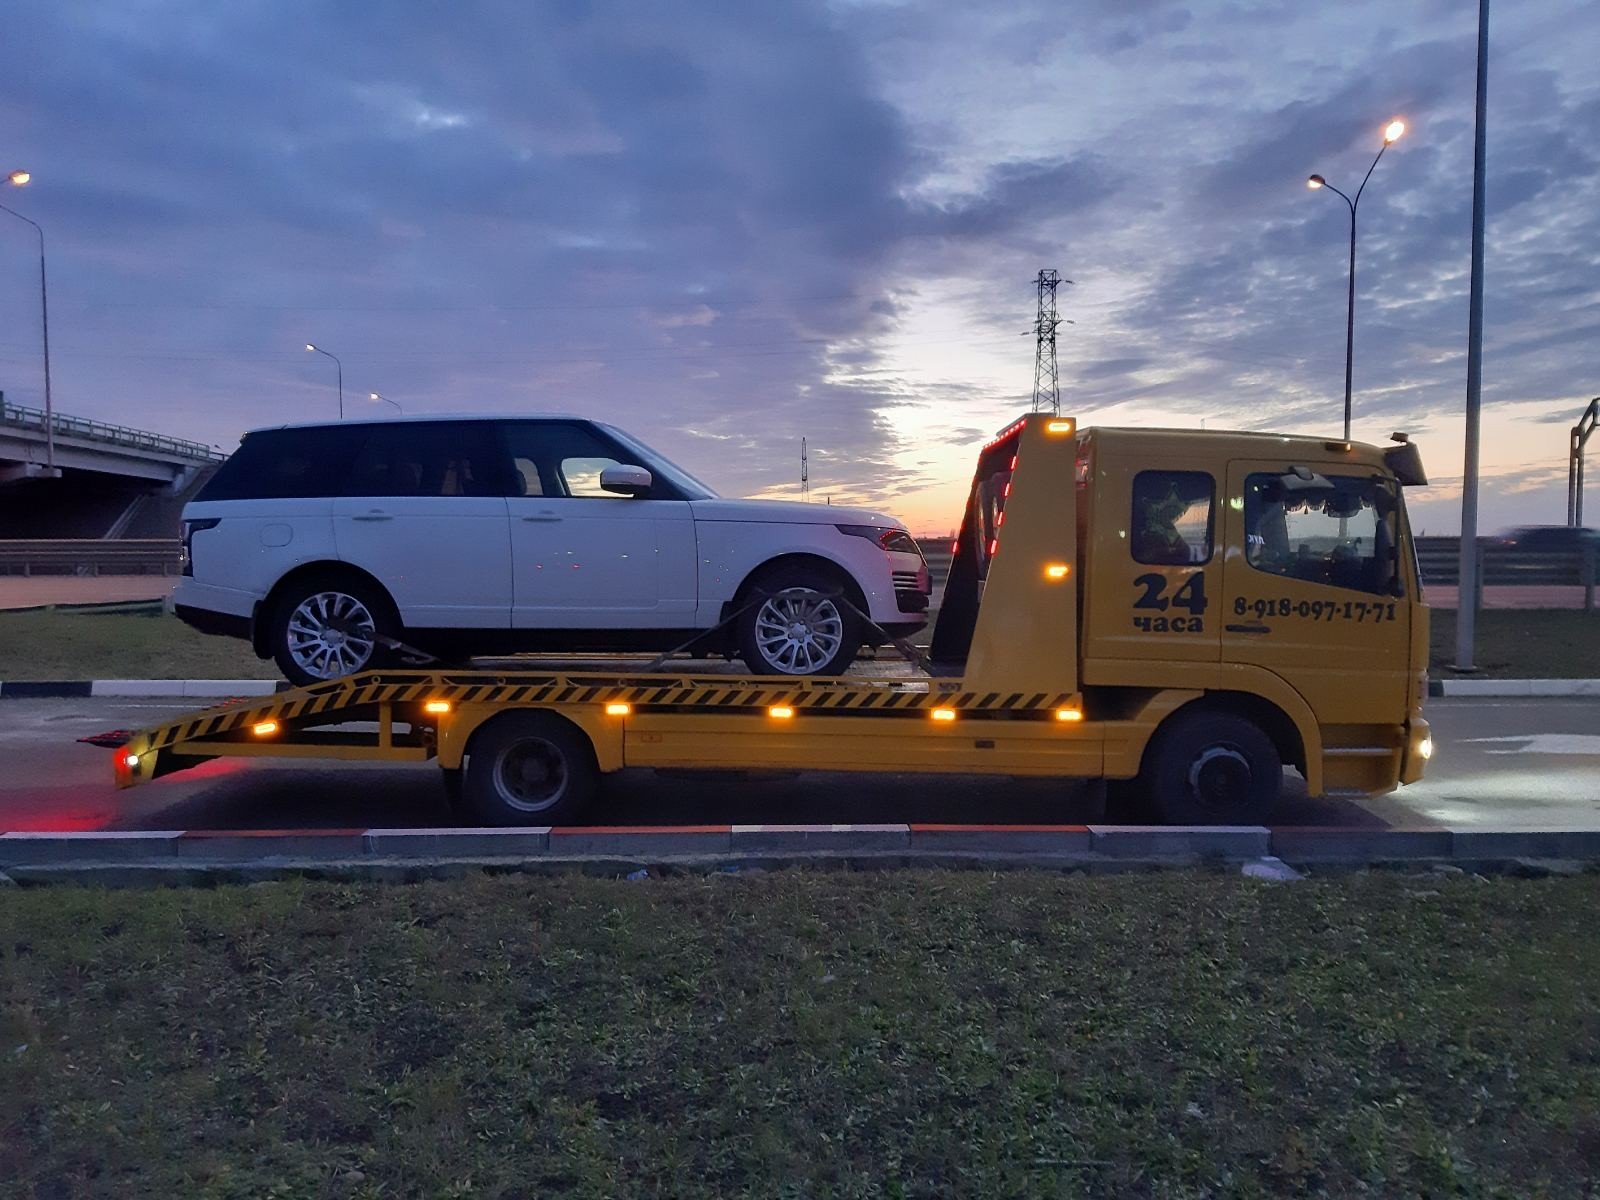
x: 686, y: 483
x: 1343, y: 534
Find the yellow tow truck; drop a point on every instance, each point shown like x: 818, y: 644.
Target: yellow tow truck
x: 1179, y: 614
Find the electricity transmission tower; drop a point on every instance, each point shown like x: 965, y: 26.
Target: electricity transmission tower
x: 805, y: 473
x: 1046, y: 380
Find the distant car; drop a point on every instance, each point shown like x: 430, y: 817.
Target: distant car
x: 1555, y: 538
x: 460, y: 536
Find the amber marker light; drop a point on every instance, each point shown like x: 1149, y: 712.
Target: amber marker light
x: 943, y: 714
x: 1069, y: 714
x: 1057, y: 571
x: 781, y: 712
x: 1058, y: 427
x: 264, y: 728
x: 436, y: 706
x: 618, y: 709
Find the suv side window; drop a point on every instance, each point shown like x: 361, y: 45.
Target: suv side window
x: 287, y: 464
x: 1172, y: 518
x: 434, y: 458
x: 1342, y: 535
x: 560, y: 458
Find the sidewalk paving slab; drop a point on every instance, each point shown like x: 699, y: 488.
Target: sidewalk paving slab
x: 458, y: 843
x: 1199, y: 841
x: 248, y: 845
x: 1495, y: 844
x: 756, y: 839
x: 101, y: 845
x: 1003, y: 839
x: 641, y: 840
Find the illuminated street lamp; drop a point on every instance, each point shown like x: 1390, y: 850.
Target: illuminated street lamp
x: 1391, y: 134
x: 375, y: 397
x: 19, y: 179
x: 337, y: 364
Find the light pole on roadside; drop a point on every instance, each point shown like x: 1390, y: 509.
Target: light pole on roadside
x: 20, y: 179
x: 337, y: 364
x: 375, y: 397
x: 1391, y: 134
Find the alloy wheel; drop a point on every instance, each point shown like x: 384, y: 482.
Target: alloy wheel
x: 331, y: 634
x: 798, y: 631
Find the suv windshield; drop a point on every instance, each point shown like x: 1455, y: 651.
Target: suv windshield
x: 691, y: 487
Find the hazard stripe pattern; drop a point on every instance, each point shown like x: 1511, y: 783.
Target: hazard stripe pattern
x: 371, y: 688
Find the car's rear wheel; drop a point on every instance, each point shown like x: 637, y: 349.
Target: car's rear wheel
x: 797, y: 621
x: 326, y: 628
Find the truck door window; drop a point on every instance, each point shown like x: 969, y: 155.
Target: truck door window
x: 1342, y: 534
x: 1171, y: 518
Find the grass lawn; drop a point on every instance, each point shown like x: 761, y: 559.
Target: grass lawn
x: 1539, y: 643
x: 53, y: 644
x: 805, y: 1034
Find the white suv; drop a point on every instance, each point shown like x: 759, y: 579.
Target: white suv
x: 325, y: 544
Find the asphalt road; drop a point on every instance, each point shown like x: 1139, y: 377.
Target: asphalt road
x: 1500, y: 764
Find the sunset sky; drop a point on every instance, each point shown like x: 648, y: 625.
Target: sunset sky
x: 725, y: 226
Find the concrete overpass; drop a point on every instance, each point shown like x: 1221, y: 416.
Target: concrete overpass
x: 105, y: 481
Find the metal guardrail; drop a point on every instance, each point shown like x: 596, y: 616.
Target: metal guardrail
x: 90, y: 556
x: 18, y: 417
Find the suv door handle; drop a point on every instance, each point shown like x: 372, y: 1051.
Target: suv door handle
x: 1255, y: 629
x: 545, y: 515
x: 376, y: 514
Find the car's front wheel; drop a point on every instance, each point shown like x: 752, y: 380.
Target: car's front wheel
x: 797, y: 621
x: 325, y: 628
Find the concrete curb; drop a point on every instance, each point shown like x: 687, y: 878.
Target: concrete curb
x: 182, y: 855
x: 1501, y: 688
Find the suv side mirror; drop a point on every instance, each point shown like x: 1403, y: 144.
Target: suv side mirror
x: 625, y: 480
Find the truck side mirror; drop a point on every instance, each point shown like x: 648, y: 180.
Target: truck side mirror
x: 626, y: 480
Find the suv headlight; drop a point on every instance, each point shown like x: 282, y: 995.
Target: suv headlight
x: 888, y: 537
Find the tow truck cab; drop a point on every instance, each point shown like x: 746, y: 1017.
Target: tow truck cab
x: 1267, y: 576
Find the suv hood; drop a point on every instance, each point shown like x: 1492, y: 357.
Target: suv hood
x: 788, y: 512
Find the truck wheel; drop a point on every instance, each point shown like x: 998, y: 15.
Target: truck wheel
x: 529, y: 768
x: 798, y: 625
x: 1212, y: 768
x: 322, y: 628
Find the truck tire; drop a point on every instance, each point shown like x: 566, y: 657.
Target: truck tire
x: 529, y: 768
x: 797, y: 622
x: 1211, y: 768
x: 320, y: 628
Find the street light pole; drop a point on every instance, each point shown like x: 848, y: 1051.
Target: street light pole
x: 18, y: 179
x: 375, y: 397
x: 1469, y: 563
x: 340, y: 366
x: 1391, y: 134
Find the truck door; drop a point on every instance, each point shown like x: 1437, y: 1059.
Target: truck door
x: 1313, y: 586
x: 1155, y: 574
